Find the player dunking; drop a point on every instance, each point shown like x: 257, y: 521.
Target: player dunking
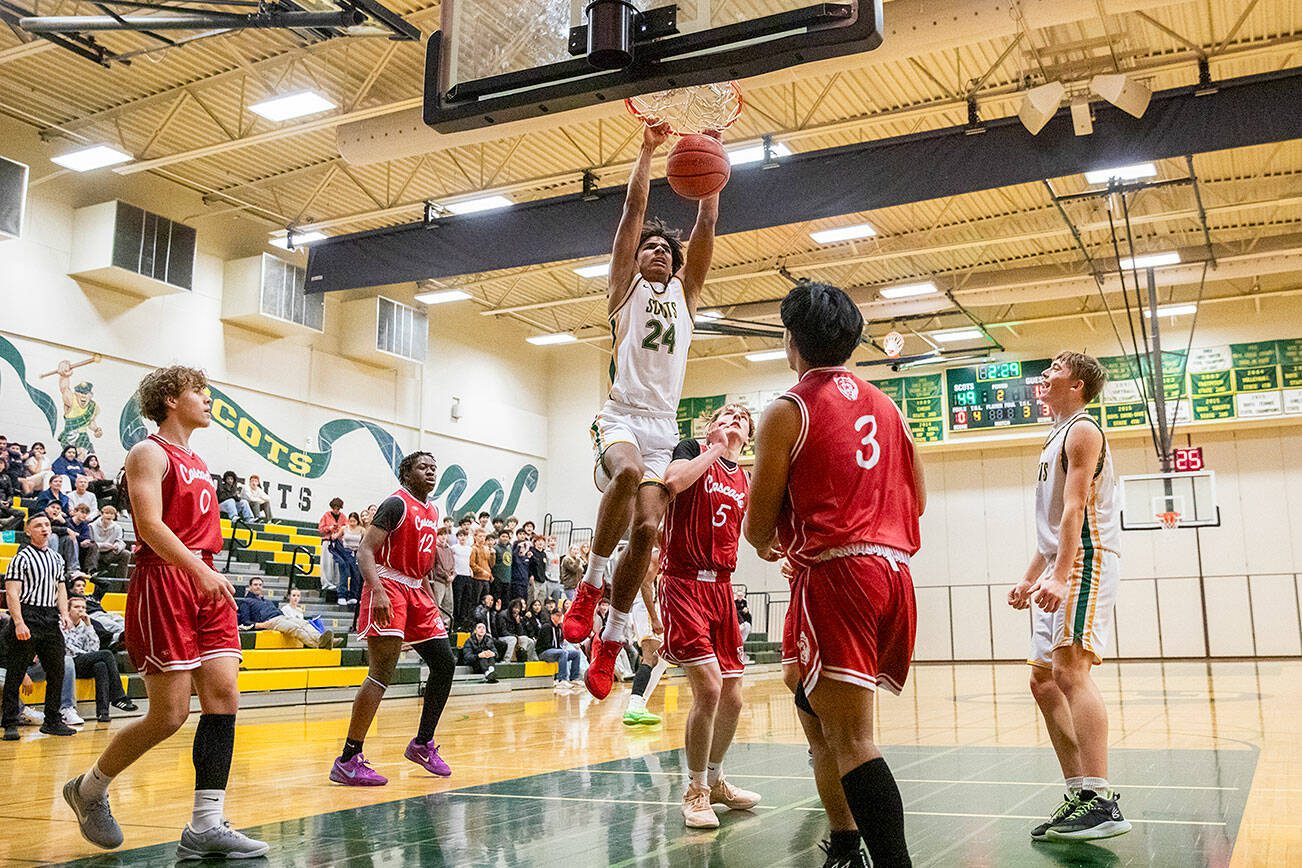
x: 837, y: 486
x: 653, y: 293
x: 1073, y: 580
x: 181, y: 630
x: 397, y: 606
x: 702, y: 635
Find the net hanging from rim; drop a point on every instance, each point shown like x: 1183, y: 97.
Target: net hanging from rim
x: 1170, y: 520
x: 689, y: 109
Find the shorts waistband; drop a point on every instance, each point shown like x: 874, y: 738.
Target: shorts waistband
x: 628, y: 410
x: 702, y: 576
x: 394, y: 576
x: 855, y: 550
x: 153, y: 559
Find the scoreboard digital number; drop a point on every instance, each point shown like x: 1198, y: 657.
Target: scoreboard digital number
x: 996, y: 395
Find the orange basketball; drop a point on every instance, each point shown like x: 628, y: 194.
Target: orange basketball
x: 698, y: 167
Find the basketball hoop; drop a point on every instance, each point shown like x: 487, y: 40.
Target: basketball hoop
x: 1169, y: 520
x: 687, y: 110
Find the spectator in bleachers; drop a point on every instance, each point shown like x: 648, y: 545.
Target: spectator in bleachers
x: 110, y: 626
x: 511, y: 524
x: 107, y: 534
x: 63, y: 540
x: 463, y: 586
x: 481, y: 565
x: 485, y: 525
x: 502, y: 564
x: 444, y: 572
x: 331, y: 527
x: 87, y: 552
x: 292, y: 609
x: 349, y: 572
x: 37, y: 467
x: 10, y: 517
x: 351, y: 592
x: 256, y: 612
x: 466, y: 523
x: 484, y: 613
x: 15, y: 467
x: 230, y: 498
x: 520, y: 566
x: 480, y: 653
x: 511, y: 633
x: 83, y: 496
x: 554, y: 590
x: 103, y: 488
x: 537, y: 567
x: 69, y: 466
x: 89, y: 661
x: 553, y: 648
x: 499, y: 525
x: 259, y: 500
x: 54, y: 494
x: 367, y: 515
x: 571, y: 573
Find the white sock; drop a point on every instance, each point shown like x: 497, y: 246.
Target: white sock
x: 616, y: 626
x: 636, y: 703
x: 209, y: 808
x: 713, y: 773
x: 1074, y: 785
x: 1099, y: 786
x: 596, y: 574
x: 696, y: 778
x: 94, y: 784
x: 656, y: 672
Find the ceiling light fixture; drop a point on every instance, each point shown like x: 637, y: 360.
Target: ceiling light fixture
x: 90, y: 158
x: 756, y: 153
x: 707, y: 315
x: 1150, y: 260
x: 1177, y: 309
x: 1121, y: 173
x: 474, y: 206
x: 908, y: 290
x: 552, y: 339
x: 301, y: 239
x: 292, y: 105
x: 950, y: 336
x: 843, y: 233
x: 442, y: 296
x: 601, y: 269
x: 766, y: 356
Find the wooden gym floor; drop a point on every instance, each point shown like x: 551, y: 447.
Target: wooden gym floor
x: 1207, y: 757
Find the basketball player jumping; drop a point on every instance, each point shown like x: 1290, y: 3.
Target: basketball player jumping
x: 843, y: 503
x: 702, y: 635
x: 1072, y: 579
x: 653, y: 293
x: 181, y: 631
x: 397, y: 606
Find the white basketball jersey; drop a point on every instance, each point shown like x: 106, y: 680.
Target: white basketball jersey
x: 1102, y: 526
x: 652, y: 333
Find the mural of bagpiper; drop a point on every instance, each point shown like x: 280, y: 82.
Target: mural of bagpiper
x: 80, y: 412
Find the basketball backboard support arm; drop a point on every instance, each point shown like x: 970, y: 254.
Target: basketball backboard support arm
x: 731, y: 51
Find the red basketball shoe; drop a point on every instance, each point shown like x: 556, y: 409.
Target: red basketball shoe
x: 578, y: 620
x: 601, y: 671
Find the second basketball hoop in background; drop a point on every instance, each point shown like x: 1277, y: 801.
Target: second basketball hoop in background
x: 893, y: 344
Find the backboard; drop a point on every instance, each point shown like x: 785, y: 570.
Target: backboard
x: 1153, y: 501
x: 494, y: 61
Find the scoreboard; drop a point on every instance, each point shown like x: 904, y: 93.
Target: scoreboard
x: 996, y: 395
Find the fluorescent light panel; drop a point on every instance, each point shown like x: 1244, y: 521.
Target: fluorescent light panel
x: 549, y: 340
x: 1176, y: 309
x: 755, y: 153
x: 702, y: 315
x: 601, y: 269
x: 93, y: 157
x: 1151, y: 260
x: 907, y: 290
x: 301, y: 239
x: 292, y: 105
x: 766, y: 355
x: 1121, y: 173
x: 483, y: 203
x: 442, y: 296
x: 955, y: 335
x: 843, y: 233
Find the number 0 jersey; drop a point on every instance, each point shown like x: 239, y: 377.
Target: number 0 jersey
x: 1102, y: 527
x: 703, y: 523
x: 652, y: 332
x: 851, y: 475
x: 189, y: 503
x: 407, y: 555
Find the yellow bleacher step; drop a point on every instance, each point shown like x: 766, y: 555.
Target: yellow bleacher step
x: 340, y: 676
x: 84, y: 690
x: 265, y: 545
x: 267, y: 640
x: 8, y: 550
x: 539, y: 667
x: 284, y: 529
x: 116, y: 602
x: 301, y: 658
x: 272, y: 679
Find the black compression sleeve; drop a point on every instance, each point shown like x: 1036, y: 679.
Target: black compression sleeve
x: 389, y: 514
x: 687, y: 450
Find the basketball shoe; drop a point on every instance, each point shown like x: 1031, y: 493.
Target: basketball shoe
x: 1059, y: 814
x: 356, y: 772
x: 601, y: 671
x: 697, y: 813
x: 223, y: 842
x: 578, y: 620
x: 734, y: 798
x: 427, y: 757
x: 1095, y: 816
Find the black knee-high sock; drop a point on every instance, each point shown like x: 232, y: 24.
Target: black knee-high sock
x: 641, y: 679
x: 437, y: 654
x: 878, y: 810
x: 214, y: 742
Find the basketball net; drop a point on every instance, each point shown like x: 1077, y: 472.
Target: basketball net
x: 687, y: 110
x: 1169, y: 520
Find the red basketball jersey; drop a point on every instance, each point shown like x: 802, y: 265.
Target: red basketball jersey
x: 189, y: 503
x: 409, y: 549
x: 703, y: 524
x: 851, y: 478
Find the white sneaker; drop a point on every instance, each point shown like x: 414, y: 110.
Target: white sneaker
x: 71, y: 717
x: 31, y: 716
x: 735, y: 798
x: 220, y: 841
x: 697, y: 813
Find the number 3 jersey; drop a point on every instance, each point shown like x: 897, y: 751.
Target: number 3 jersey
x: 652, y: 332
x: 703, y: 523
x: 851, y: 476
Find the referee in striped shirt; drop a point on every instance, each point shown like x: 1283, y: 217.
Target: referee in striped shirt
x: 38, y: 606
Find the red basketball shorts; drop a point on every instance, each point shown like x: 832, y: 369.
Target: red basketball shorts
x: 701, y: 624
x: 170, y: 627
x: 854, y: 620
x: 789, y: 652
x: 414, y: 616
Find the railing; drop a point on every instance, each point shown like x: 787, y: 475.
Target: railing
x: 294, y: 569
x: 235, y: 543
x: 566, y: 533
